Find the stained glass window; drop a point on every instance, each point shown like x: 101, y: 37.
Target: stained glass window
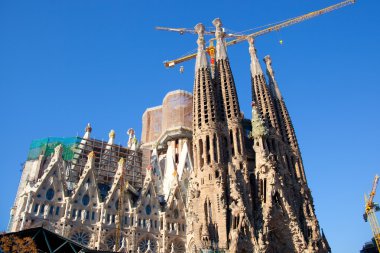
x: 50, y: 194
x: 148, y: 209
x: 85, y: 200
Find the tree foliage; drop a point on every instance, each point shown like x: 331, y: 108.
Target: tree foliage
x: 13, y: 244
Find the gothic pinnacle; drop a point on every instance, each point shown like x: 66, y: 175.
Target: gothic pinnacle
x: 88, y: 130
x: 272, y: 83
x: 255, y: 65
x: 219, y: 35
x: 111, y: 136
x: 201, y: 60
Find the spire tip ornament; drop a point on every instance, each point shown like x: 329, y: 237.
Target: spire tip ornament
x: 88, y: 128
x: 112, y: 134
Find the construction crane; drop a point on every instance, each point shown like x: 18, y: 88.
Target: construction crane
x: 241, y: 38
x: 369, y: 214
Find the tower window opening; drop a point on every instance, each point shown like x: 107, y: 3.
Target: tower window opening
x: 232, y: 143
x: 214, y: 144
x: 208, y: 149
x: 201, y: 153
x: 42, y: 209
x: 226, y: 155
x: 265, y: 190
x: 35, y: 208
x: 176, y: 158
x: 238, y: 141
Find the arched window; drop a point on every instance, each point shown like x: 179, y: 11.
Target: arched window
x: 148, y: 209
x: 50, y: 194
x: 85, y: 200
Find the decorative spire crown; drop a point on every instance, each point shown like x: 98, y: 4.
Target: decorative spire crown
x: 201, y: 60
x: 221, y: 52
x: 88, y: 128
x: 255, y: 65
x: 112, y: 134
x: 268, y: 62
x: 273, y: 82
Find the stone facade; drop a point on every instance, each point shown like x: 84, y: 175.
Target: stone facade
x: 197, y: 182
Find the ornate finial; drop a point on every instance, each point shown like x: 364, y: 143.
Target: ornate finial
x: 268, y: 62
x: 218, y: 28
x: 112, y: 134
x: 220, y: 45
x: 121, y: 161
x: 131, y: 131
x: 273, y: 82
x: 201, y: 60
x: 217, y: 22
x: 255, y: 65
x: 91, y: 154
x: 200, y: 30
x: 88, y: 128
x: 132, y: 141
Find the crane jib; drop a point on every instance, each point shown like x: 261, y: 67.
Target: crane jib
x: 241, y: 38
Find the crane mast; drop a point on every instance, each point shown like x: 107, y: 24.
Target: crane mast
x: 370, y: 215
x: 241, y: 38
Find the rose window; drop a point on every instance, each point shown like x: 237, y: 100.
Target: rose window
x: 81, y: 238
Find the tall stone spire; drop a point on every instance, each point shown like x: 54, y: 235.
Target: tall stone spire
x: 207, y: 205
x: 260, y: 92
x: 288, y: 222
x: 224, y: 76
x: 287, y: 129
x: 238, y: 178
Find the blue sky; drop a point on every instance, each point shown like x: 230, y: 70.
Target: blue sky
x: 66, y: 63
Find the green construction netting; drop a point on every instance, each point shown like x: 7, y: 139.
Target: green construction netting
x: 46, y: 147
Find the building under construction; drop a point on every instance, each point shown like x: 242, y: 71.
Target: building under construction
x: 202, y: 179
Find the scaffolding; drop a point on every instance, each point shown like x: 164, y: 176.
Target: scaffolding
x: 175, y: 112
x: 76, y: 150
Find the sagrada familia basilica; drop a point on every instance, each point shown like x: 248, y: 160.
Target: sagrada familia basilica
x: 202, y: 179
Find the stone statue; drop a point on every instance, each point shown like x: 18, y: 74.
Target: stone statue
x: 83, y: 216
x: 46, y: 211
x: 148, y: 225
